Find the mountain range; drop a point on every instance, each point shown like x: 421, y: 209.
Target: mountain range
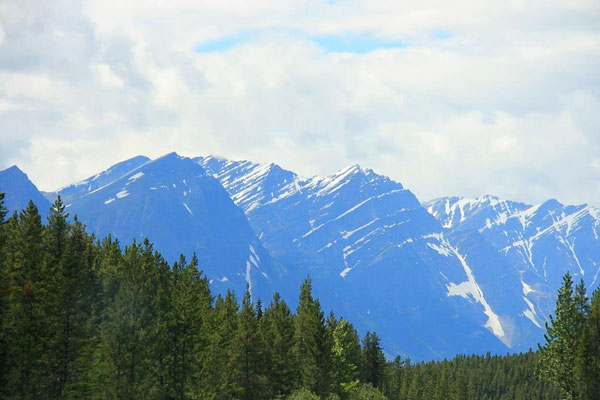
x: 434, y: 279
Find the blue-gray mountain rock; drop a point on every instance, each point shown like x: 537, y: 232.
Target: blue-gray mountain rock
x: 536, y: 244
x: 376, y: 257
x: 454, y: 275
x: 18, y: 189
x: 182, y: 210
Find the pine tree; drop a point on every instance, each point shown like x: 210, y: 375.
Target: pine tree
x: 247, y: 354
x: 59, y: 307
x: 191, y: 307
x: 587, y: 363
x: 373, y: 360
x: 23, y: 325
x: 4, y: 288
x: 313, y: 344
x: 277, y: 326
x: 557, y: 356
x: 346, y: 356
x: 221, y: 379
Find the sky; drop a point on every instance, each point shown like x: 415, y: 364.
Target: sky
x: 449, y: 98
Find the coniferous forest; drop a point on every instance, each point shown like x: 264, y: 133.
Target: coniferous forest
x: 89, y: 318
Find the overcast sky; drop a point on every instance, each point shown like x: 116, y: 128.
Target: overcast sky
x: 447, y: 97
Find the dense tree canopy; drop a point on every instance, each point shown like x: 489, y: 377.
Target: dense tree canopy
x: 88, y: 318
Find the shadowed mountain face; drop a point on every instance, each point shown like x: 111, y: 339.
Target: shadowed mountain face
x: 182, y: 210
x: 453, y: 276
x: 382, y: 260
x: 19, y: 190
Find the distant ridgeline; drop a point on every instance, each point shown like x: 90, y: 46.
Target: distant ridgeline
x: 436, y: 279
x: 85, y: 318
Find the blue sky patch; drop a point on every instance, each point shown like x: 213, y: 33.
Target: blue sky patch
x: 355, y: 44
x: 441, y: 34
x: 220, y: 44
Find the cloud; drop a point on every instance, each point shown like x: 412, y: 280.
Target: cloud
x: 448, y: 98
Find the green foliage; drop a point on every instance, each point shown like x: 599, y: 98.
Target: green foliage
x: 277, y: 326
x: 303, y: 394
x: 366, y: 392
x: 247, y: 353
x: 587, y: 362
x: 313, y: 344
x: 82, y: 318
x: 346, y: 357
x: 563, y: 337
x: 373, y: 360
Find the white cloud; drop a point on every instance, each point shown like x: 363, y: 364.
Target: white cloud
x: 108, y: 78
x: 485, y: 98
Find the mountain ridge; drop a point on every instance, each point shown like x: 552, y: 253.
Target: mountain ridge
x: 376, y: 254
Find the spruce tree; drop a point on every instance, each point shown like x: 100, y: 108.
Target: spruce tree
x: 373, y: 360
x: 191, y: 308
x: 4, y: 285
x: 563, y: 333
x: 313, y: 344
x: 277, y: 326
x: 247, y: 355
x: 587, y: 363
x: 61, y: 281
x: 24, y: 321
x: 346, y: 356
x: 221, y: 379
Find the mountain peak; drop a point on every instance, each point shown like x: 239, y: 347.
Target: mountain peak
x: 19, y: 190
x: 13, y: 171
x: 169, y: 156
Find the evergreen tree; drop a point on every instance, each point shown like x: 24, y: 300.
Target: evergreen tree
x: 587, y: 364
x: 347, y: 357
x: 221, y: 380
x: 24, y: 325
x: 562, y: 338
x: 247, y: 356
x: 192, y: 305
x: 313, y: 344
x: 4, y: 287
x: 59, y: 305
x: 277, y: 326
x: 373, y: 360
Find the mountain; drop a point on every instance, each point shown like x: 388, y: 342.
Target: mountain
x: 538, y: 243
x: 19, y: 190
x: 99, y: 180
x: 377, y: 257
x: 181, y: 209
x: 453, y: 275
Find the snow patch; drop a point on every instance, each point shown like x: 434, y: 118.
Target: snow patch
x: 470, y: 289
x: 530, y: 312
x: 526, y: 288
x: 347, y: 234
x: 135, y: 177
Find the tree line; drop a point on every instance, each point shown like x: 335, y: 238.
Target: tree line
x: 87, y: 318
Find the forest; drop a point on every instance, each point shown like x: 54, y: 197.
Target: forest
x: 91, y: 318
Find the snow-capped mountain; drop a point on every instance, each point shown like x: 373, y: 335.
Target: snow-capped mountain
x: 454, y: 275
x: 182, y: 210
x: 381, y: 259
x: 538, y: 243
x: 18, y: 189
